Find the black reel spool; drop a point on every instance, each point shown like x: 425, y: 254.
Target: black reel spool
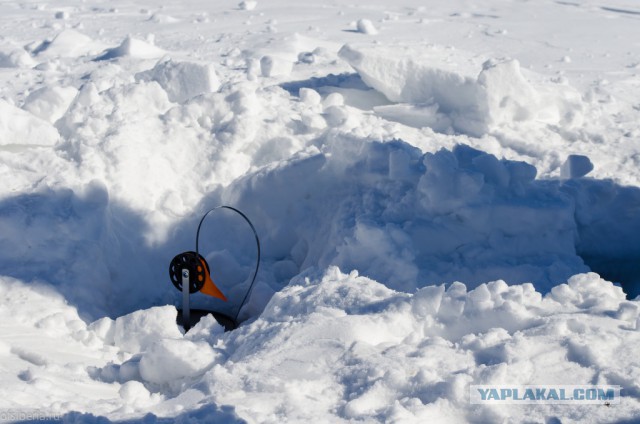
x: 197, y: 276
x: 199, y: 273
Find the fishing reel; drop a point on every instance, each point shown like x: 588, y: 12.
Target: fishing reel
x: 199, y: 274
x: 190, y: 273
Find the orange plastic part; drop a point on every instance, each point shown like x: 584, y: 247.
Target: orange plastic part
x: 209, y: 287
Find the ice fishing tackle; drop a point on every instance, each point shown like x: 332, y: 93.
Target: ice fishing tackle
x: 190, y: 273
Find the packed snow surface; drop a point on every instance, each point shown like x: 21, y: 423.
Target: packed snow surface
x: 445, y: 196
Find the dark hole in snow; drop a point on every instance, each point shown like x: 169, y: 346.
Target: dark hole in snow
x: 625, y: 271
x: 197, y: 314
x: 608, y: 221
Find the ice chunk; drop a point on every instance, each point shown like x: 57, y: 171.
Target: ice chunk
x: 182, y: 80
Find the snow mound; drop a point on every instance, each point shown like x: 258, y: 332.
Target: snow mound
x: 448, y: 79
x: 171, y: 360
x: 446, y: 339
x: 132, y: 47
x: 68, y: 43
x: 330, y: 347
x: 18, y: 127
x: 182, y: 80
x: 50, y: 103
x: 137, y: 331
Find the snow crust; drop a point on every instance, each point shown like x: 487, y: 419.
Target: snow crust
x: 445, y: 196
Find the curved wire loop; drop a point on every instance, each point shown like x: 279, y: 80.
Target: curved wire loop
x: 255, y: 233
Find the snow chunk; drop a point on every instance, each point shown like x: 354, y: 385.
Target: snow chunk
x: 272, y: 66
x: 170, y: 360
x: 448, y: 79
x: 248, y: 5
x: 17, y: 58
x: 588, y: 291
x: 576, y: 166
x: 132, y: 47
x: 137, y: 331
x: 50, y: 103
x: 62, y: 14
x: 22, y: 128
x: 182, y: 80
x: 134, y: 392
x: 160, y: 18
x: 365, y: 26
x: 309, y: 96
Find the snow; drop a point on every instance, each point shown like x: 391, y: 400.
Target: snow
x: 182, y: 80
x: 18, y: 127
x: 444, y: 195
x: 475, y: 99
x: 365, y: 26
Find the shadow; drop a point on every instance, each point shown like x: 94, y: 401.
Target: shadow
x: 85, y: 246
x: 622, y: 11
x: 608, y: 223
x: 350, y: 85
x: 346, y: 80
x: 627, y: 421
x: 95, y: 252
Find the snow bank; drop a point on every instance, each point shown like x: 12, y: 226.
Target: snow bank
x: 448, y: 79
x: 332, y: 347
x: 411, y: 219
x: 391, y: 356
